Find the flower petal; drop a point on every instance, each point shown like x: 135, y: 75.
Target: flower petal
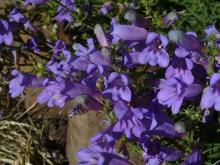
x: 151, y: 36
x: 208, y: 98
x: 163, y: 59
x: 176, y: 105
x: 217, y: 103
x: 8, y: 38
x: 193, y: 90
x: 215, y: 78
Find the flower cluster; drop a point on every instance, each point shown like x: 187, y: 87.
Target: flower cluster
x: 95, y: 75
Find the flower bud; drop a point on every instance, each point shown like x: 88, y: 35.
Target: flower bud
x: 187, y: 41
x: 170, y: 18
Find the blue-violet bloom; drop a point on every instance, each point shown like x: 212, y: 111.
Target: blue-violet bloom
x: 173, y: 91
x: 6, y: 35
x: 211, y: 94
x: 155, y: 51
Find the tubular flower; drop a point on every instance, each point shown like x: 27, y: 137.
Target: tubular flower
x: 96, y: 155
x: 194, y: 158
x: 35, y: 2
x: 6, y: 35
x: 181, y: 67
x: 18, y: 17
x: 120, y: 32
x: 211, y: 30
x: 64, y: 14
x: 188, y: 40
x: 118, y: 87
x: 32, y: 44
x: 170, y: 18
x: 173, y: 91
x: 155, y: 51
x: 106, y: 8
x: 90, y: 58
x: 139, y: 121
x: 21, y: 80
x: 211, y: 94
x: 155, y: 154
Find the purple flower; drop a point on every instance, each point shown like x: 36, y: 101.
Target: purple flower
x: 17, y: 85
x: 52, y: 94
x: 155, y: 154
x: 81, y: 63
x: 188, y: 40
x: 173, y: 91
x: 60, y: 61
x: 136, y: 19
x: 136, y: 122
x: 32, y: 44
x: 181, y: 67
x: 6, y: 35
x: 120, y: 109
x: 70, y: 4
x: 96, y: 155
x: 58, y: 92
x: 200, y: 59
x: 150, y: 121
x: 189, y: 46
x: 195, y: 158
x: 90, y: 58
x: 211, y: 94
x: 120, y: 32
x: 59, y: 47
x: 106, y: 139
x: 131, y: 124
x: 64, y: 14
x: 155, y: 51
x: 170, y: 18
x: 16, y: 16
x: 163, y: 125
x: 91, y: 155
x: 195, y: 56
x: 101, y: 36
x: 107, y: 7
x: 211, y: 30
x: 73, y: 89
x: 130, y: 59
x: 80, y: 50
x: 61, y: 64
x: 118, y: 87
x: 96, y: 80
x: 35, y: 2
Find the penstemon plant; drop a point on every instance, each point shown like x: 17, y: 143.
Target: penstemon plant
x: 158, y: 86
